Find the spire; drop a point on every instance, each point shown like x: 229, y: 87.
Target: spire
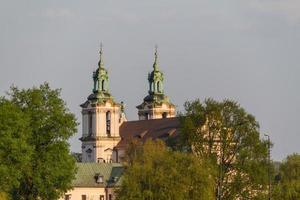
x: 101, y: 63
x: 156, y: 77
x: 100, y: 76
x: 155, y: 64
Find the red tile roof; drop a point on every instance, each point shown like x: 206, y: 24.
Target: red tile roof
x: 148, y: 129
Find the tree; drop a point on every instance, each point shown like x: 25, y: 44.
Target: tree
x: 47, y: 125
x: 15, y: 153
x: 287, y: 186
x: 155, y: 172
x: 3, y: 196
x: 226, y: 134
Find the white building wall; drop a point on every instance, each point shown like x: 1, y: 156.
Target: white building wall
x: 92, y: 193
x: 85, y: 124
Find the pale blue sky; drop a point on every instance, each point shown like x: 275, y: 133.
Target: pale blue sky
x: 244, y: 50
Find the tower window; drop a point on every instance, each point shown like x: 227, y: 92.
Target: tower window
x: 89, y: 154
x: 146, y: 116
x: 102, y: 85
x: 158, y: 86
x: 164, y: 115
x: 108, y: 123
x: 151, y: 84
x: 90, y: 122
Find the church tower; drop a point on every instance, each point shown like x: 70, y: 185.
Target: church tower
x: 101, y: 119
x: 156, y: 104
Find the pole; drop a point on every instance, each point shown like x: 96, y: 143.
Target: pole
x: 269, y: 163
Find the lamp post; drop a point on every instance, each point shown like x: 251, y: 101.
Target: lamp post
x: 269, y: 163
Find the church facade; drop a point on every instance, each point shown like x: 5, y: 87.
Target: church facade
x: 105, y: 129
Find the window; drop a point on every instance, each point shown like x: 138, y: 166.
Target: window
x: 102, y: 85
x: 100, y: 160
x: 146, y: 116
x: 164, y: 115
x: 150, y: 86
x: 101, y: 197
x: 89, y: 154
x: 99, y: 178
x: 110, y: 197
x: 108, y: 123
x: 67, y: 197
x: 90, y: 122
x: 83, y: 197
x: 158, y: 86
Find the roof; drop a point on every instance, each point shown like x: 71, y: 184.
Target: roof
x: 87, y: 172
x: 148, y: 129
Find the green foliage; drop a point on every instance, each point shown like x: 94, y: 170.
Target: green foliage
x: 288, y: 179
x: 15, y: 153
x: 45, y: 125
x: 226, y: 134
x: 154, y: 172
x: 3, y: 196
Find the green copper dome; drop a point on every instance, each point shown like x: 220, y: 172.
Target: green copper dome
x: 156, y: 78
x: 156, y: 94
x: 100, y: 78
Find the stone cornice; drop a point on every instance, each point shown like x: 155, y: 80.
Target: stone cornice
x: 112, y: 138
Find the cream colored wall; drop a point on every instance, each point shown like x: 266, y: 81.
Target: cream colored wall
x: 102, y: 142
x: 92, y: 193
x: 103, y: 146
x: 101, y: 119
x: 156, y: 112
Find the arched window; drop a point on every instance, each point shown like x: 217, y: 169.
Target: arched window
x: 146, y: 116
x: 103, y: 85
x: 158, y: 86
x: 95, y: 84
x: 164, y: 115
x: 100, y: 160
x: 89, y: 154
x: 150, y: 85
x: 108, y: 123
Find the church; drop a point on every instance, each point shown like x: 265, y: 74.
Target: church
x: 106, y: 132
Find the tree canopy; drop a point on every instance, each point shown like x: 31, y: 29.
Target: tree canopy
x: 15, y: 152
x: 35, y: 126
x: 155, y: 172
x: 225, y: 133
x: 287, y: 183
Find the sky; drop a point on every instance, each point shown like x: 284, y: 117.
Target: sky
x: 247, y: 51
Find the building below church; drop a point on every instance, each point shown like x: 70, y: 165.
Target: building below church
x: 95, y: 181
x: 106, y: 132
